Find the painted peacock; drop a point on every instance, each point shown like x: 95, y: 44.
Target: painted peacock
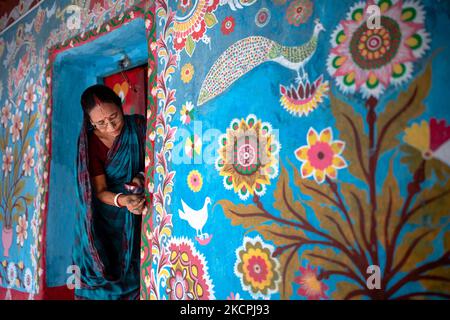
x: 248, y: 53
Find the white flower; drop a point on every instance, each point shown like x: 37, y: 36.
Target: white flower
x: 6, y: 114
x: 28, y: 280
x: 17, y: 125
x: 21, y: 230
x: 8, y: 159
x: 28, y: 161
x: 12, y: 273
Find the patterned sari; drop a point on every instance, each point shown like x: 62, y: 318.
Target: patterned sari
x: 107, y: 238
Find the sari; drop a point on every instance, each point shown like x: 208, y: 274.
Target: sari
x: 107, y: 238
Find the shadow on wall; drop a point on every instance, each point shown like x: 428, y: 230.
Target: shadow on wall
x: 73, y: 71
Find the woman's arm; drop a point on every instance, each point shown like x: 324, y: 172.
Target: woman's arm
x: 134, y: 203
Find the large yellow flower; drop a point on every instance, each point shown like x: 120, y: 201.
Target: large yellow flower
x: 248, y: 156
x: 321, y: 157
x: 187, y: 72
x: 256, y: 268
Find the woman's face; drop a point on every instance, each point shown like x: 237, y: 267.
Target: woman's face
x: 107, y: 118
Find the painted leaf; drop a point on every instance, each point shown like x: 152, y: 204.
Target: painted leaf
x: 351, y: 130
x: 398, y: 112
x: 280, y: 235
x: 424, y: 240
x: 19, y: 187
x: 344, y: 289
x: 289, y: 264
x: 426, y: 211
x: 317, y: 192
x: 284, y: 200
x: 359, y: 213
x: 329, y: 260
x: 389, y: 205
x: 210, y: 19
x: 246, y: 215
x: 190, y: 46
x: 437, y: 280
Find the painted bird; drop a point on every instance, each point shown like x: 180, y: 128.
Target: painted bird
x: 250, y: 52
x: 196, y: 218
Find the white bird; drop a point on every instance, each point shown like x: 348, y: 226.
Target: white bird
x: 196, y: 218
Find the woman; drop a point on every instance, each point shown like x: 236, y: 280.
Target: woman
x: 110, y: 155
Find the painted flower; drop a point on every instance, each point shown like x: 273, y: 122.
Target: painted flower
x: 430, y: 141
x: 17, y: 125
x: 305, y: 98
x: 21, y: 230
x: 187, y: 72
x: 187, y: 112
x: 39, y: 20
x: 8, y: 160
x: 299, y: 12
x: 12, y: 273
x: 185, y: 5
x: 233, y: 296
x: 256, y: 268
x: 28, y: 161
x: 321, y: 157
x: 369, y: 60
x: 262, y: 17
x: 30, y: 96
x: 248, y: 156
x: 193, y: 146
x: 28, y: 280
x: 178, y: 288
x: 228, y: 25
x: 6, y: 114
x: 190, y: 25
x: 195, y: 181
x: 189, y: 273
x: 310, y: 286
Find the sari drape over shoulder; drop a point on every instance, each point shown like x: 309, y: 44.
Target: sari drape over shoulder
x: 107, y: 238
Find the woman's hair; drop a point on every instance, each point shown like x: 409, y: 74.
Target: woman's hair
x: 98, y: 93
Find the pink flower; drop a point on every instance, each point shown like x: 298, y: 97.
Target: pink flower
x: 30, y: 97
x: 310, y: 286
x: 17, y: 125
x: 178, y: 286
x: 322, y: 156
x: 21, y: 230
x: 6, y: 114
x: 28, y: 161
x: 8, y: 159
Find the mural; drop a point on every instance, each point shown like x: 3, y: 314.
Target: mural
x: 320, y: 142
x: 293, y: 151
x: 27, y: 51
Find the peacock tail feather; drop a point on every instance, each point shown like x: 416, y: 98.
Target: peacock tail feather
x: 237, y: 60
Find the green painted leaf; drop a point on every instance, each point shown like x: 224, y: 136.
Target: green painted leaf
x: 190, y: 46
x: 19, y: 188
x: 210, y: 19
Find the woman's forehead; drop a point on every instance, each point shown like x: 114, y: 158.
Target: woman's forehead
x: 102, y: 111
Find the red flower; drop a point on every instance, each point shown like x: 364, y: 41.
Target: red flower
x: 199, y: 30
x: 310, y: 286
x: 228, y: 25
x: 179, y: 43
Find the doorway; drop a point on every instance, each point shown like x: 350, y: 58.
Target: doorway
x: 97, y: 61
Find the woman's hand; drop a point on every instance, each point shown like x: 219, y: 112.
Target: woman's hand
x: 139, y: 180
x: 135, y: 203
